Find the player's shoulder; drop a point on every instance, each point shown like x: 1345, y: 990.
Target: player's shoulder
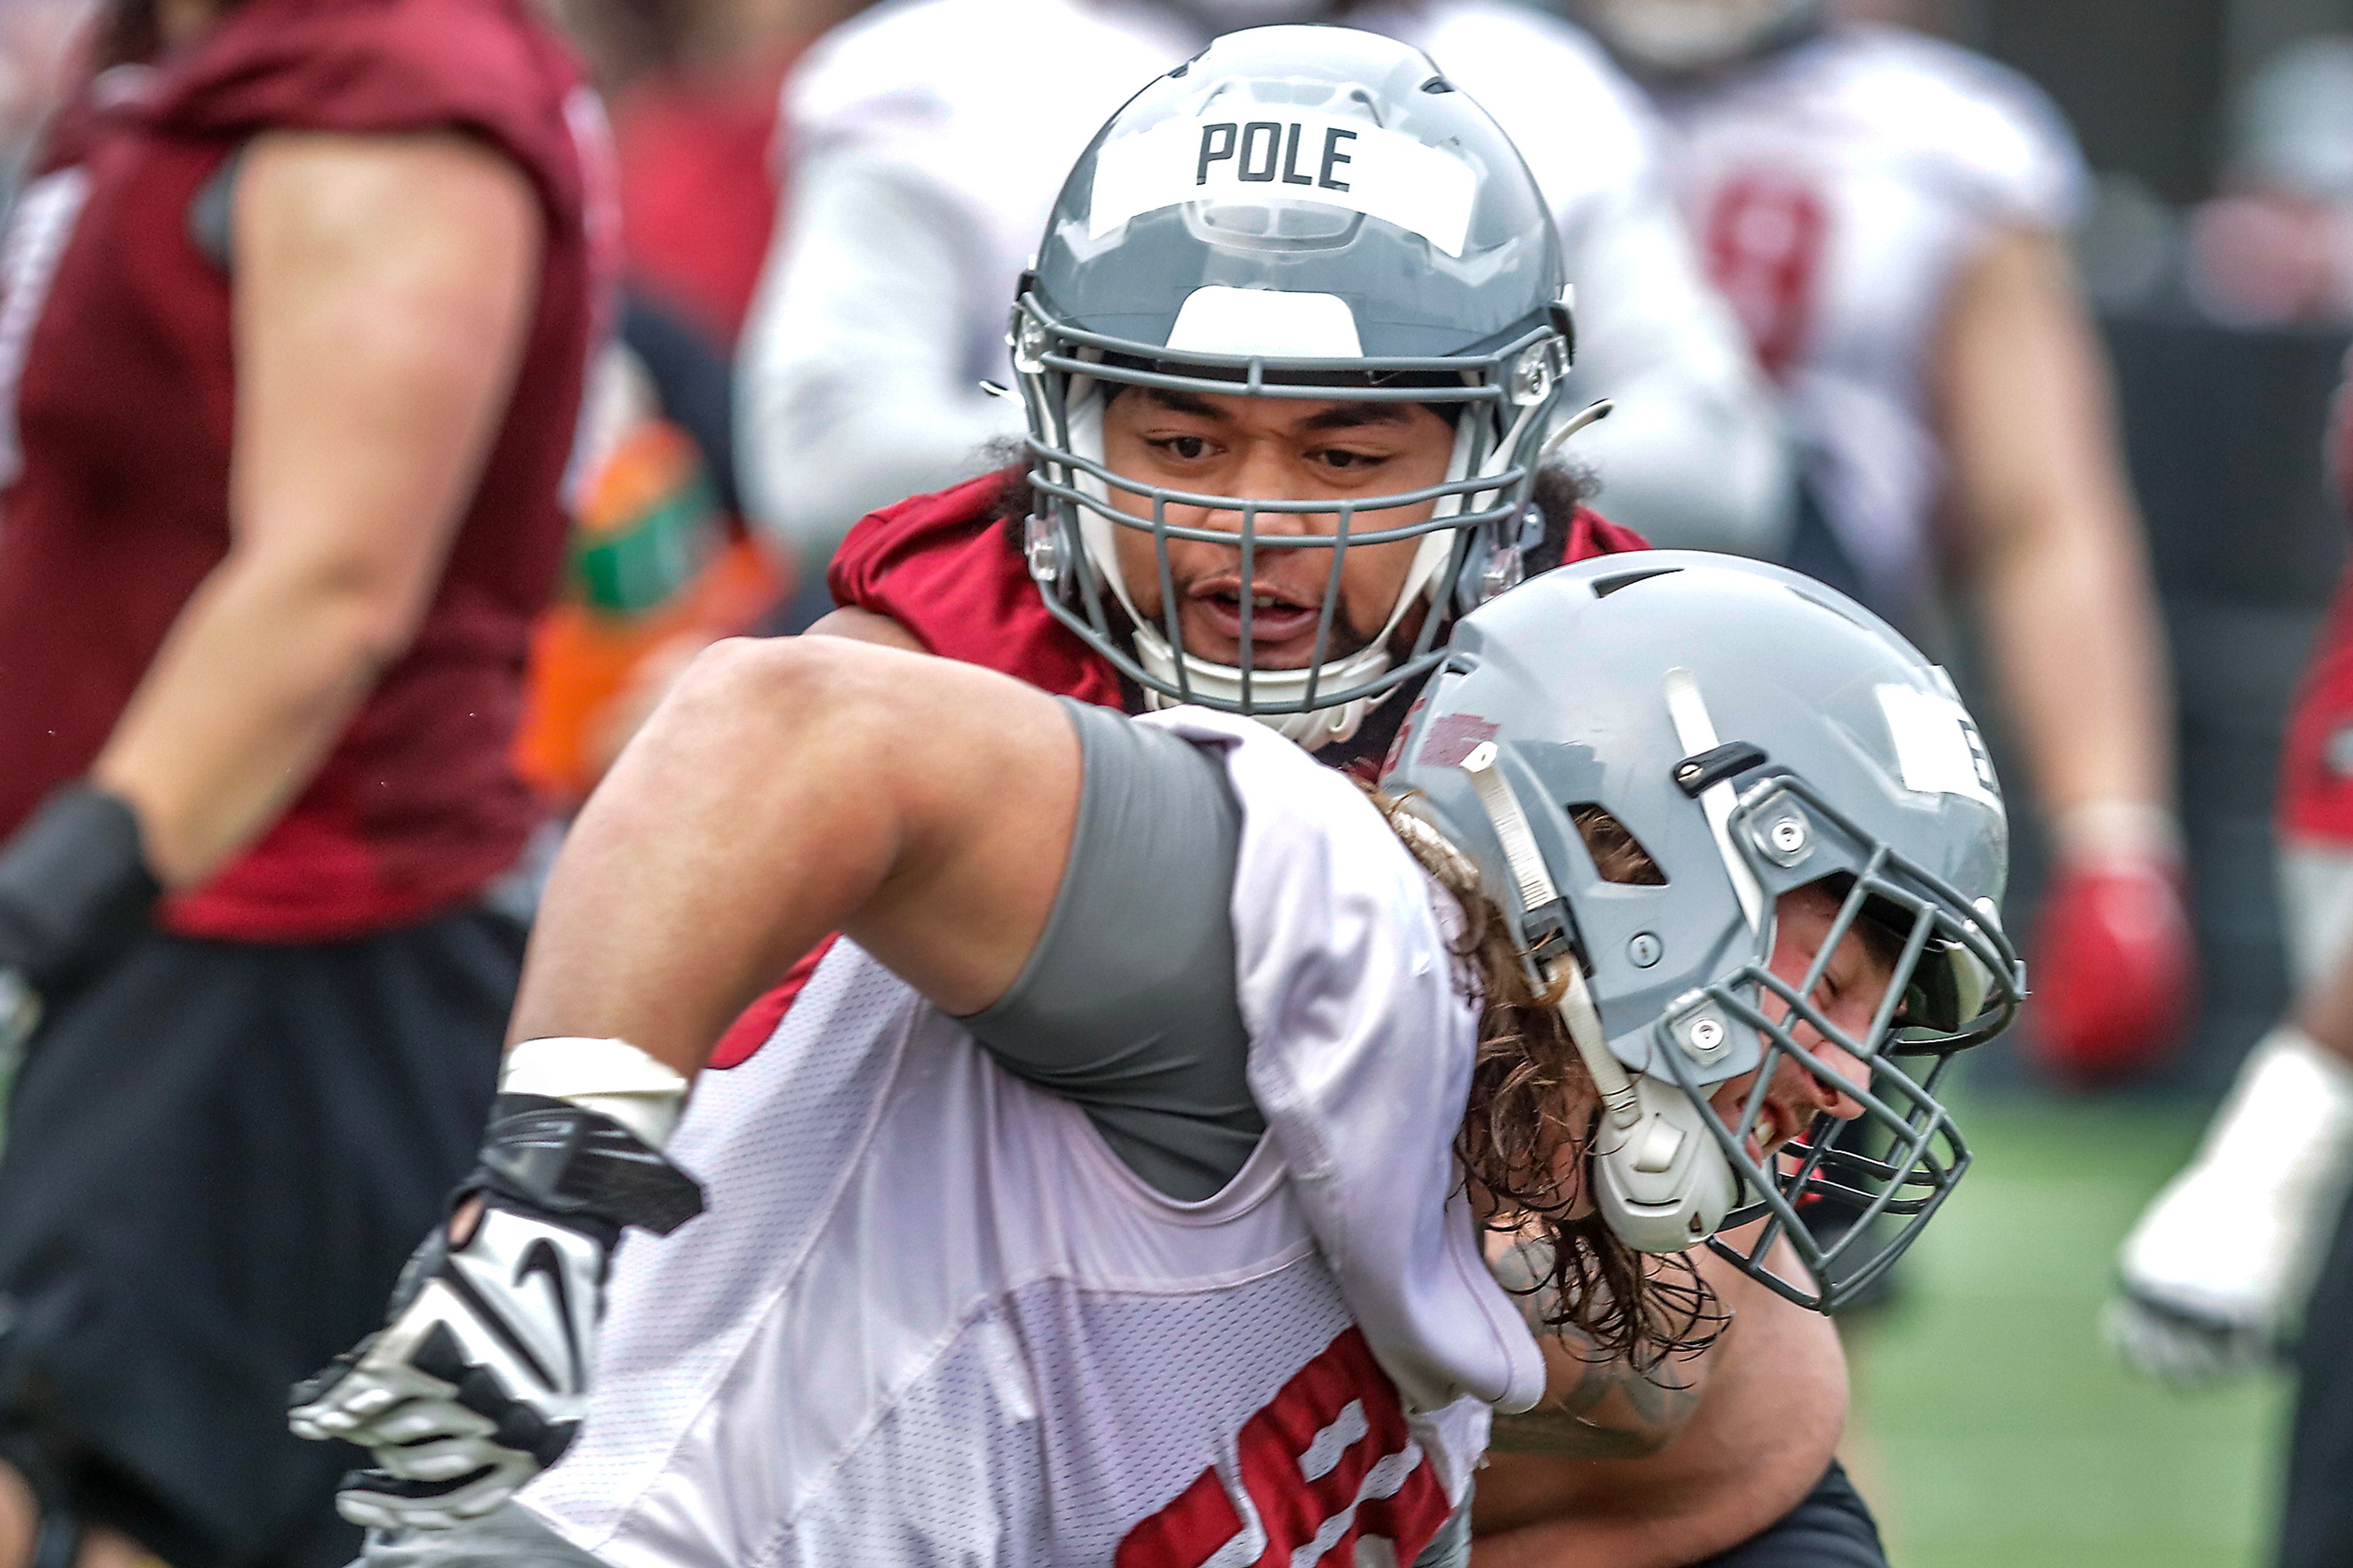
x: 975, y: 62
x: 1956, y: 111
x: 1576, y: 118
x: 381, y: 65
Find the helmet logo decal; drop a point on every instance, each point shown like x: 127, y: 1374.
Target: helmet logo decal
x: 1304, y: 156
x: 1938, y: 747
x: 1452, y: 737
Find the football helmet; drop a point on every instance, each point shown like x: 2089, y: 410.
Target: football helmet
x: 1311, y: 212
x: 1752, y: 732
x: 1681, y: 37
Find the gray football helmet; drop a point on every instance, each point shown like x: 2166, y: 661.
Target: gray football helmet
x: 1683, y: 37
x: 1754, y: 732
x: 1301, y: 213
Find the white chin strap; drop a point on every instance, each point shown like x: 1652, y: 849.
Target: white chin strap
x: 1220, y: 685
x: 1659, y: 1180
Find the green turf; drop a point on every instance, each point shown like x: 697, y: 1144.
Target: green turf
x: 1992, y: 1429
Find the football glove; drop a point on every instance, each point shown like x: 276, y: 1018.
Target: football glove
x: 75, y: 893
x: 2212, y: 1279
x: 480, y: 1377
x: 2115, y: 968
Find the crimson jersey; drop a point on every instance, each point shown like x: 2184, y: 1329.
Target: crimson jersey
x: 2316, y: 788
x: 945, y: 567
x: 115, y: 342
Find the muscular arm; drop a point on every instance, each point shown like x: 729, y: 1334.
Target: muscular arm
x: 786, y: 789
x: 383, y: 287
x: 2049, y: 533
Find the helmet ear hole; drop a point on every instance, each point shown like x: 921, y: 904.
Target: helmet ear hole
x: 1616, y: 854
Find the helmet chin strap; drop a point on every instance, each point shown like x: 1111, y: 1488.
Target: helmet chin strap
x: 1222, y: 684
x: 1659, y: 1180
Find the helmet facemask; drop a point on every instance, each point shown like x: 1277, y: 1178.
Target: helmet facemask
x: 1480, y: 516
x: 1951, y: 985
x: 1650, y: 865
x: 1313, y: 214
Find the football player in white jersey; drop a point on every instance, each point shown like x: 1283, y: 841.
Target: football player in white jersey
x: 993, y: 1327
x: 928, y: 140
x: 1485, y: 282
x: 1889, y: 215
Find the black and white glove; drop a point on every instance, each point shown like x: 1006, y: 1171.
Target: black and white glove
x: 480, y: 1378
x: 2212, y: 1280
x: 75, y: 893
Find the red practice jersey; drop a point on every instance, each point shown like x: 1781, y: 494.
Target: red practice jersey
x: 117, y: 388
x: 2316, y: 787
x: 945, y: 567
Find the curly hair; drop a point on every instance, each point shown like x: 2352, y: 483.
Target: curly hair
x: 1519, y: 1149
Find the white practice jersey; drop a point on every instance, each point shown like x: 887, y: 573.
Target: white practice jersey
x: 928, y: 1318
x: 949, y: 126
x: 1837, y: 191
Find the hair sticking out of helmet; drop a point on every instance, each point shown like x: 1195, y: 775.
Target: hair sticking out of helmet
x: 1682, y: 37
x: 1763, y: 852
x: 1303, y: 214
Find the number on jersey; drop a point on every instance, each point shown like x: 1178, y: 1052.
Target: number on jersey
x: 1328, y: 1460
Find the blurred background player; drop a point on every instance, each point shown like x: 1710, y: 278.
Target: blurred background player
x: 919, y: 190
x: 2234, y: 1264
x: 1888, y: 214
x: 2276, y: 245
x: 298, y: 305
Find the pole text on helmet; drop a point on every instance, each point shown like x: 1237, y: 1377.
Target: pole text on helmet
x: 1292, y: 155
x: 1225, y: 139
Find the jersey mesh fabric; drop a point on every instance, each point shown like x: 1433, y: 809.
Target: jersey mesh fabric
x: 676, y: 1319
x: 1083, y: 1473
x: 927, y: 1311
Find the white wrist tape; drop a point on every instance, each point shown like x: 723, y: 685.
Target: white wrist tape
x: 2099, y: 830
x: 612, y: 1077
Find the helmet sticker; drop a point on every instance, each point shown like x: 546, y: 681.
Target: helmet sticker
x: 1452, y: 737
x: 1293, y: 156
x: 1938, y: 747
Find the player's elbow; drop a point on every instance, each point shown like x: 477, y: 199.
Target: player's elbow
x: 815, y: 700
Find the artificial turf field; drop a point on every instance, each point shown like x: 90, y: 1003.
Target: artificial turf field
x: 1992, y: 1428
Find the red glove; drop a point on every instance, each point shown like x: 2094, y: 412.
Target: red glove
x: 2112, y: 968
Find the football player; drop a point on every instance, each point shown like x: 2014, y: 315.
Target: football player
x: 1181, y: 1267
x: 1888, y: 214
x: 294, y: 310
x: 2232, y: 1265
x: 929, y: 138
x: 960, y: 574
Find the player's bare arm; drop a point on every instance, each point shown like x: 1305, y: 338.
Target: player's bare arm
x: 2050, y: 534
x: 383, y: 286
x: 791, y: 788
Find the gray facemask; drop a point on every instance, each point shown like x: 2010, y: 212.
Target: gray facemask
x: 1739, y: 733
x: 1301, y: 214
